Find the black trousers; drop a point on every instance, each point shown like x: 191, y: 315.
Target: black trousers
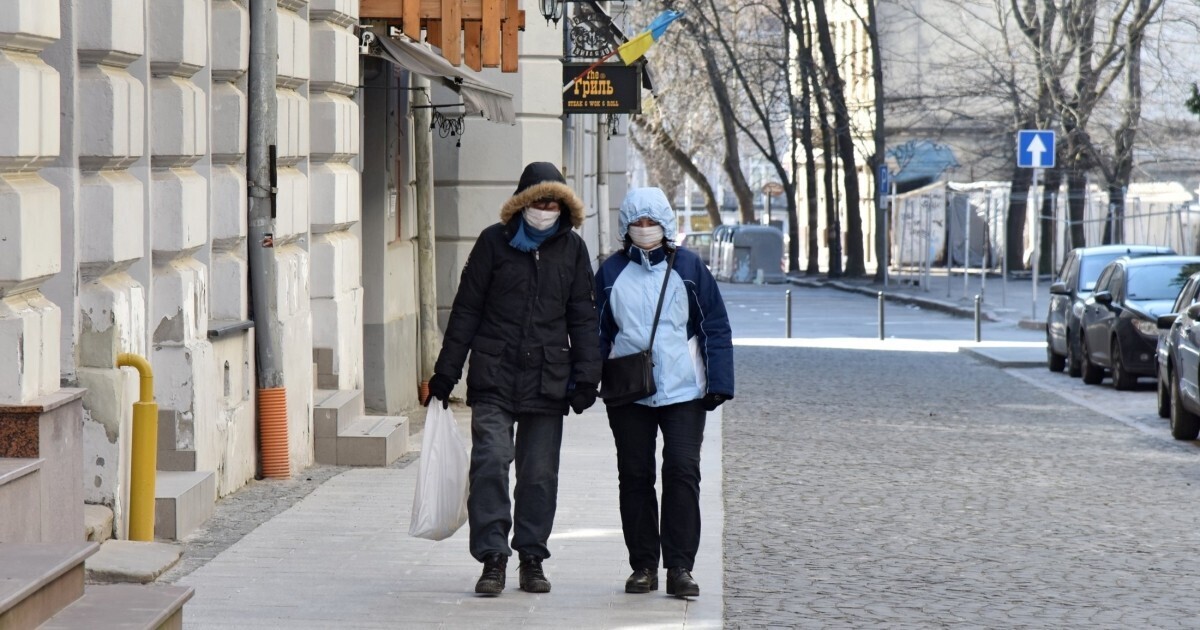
x: 635, y: 428
x: 536, y: 450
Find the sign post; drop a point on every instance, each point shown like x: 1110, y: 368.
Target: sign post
x: 1035, y: 149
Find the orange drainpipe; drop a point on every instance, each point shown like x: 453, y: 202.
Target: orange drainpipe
x: 273, y: 433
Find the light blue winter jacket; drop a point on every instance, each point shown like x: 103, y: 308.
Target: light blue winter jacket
x: 693, y: 349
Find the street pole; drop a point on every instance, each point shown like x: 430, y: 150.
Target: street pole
x: 601, y: 188
x: 1037, y: 236
x: 430, y: 337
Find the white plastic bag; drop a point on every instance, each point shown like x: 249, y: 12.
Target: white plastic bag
x: 440, y: 503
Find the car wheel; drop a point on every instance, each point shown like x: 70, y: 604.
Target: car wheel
x: 1185, y: 425
x: 1121, y: 378
x: 1092, y: 373
x: 1164, y: 395
x: 1056, y: 362
x: 1074, y: 358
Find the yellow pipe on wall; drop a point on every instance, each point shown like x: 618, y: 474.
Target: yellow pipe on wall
x: 144, y: 466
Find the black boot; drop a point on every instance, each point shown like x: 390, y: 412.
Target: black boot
x: 642, y: 581
x: 492, y: 580
x: 681, y: 584
x: 532, y: 578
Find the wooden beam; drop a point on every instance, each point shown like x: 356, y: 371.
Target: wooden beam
x: 508, y: 47
x: 433, y: 31
x: 412, y: 21
x: 451, y: 41
x: 490, y: 36
x: 471, y: 37
x: 379, y: 8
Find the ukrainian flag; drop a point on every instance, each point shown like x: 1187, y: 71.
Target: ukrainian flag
x: 633, y: 49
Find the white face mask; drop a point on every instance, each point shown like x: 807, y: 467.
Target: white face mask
x: 646, y: 237
x: 541, y: 219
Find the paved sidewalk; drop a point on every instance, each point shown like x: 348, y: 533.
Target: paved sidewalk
x: 342, y: 557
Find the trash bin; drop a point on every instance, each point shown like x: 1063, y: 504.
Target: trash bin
x: 756, y: 252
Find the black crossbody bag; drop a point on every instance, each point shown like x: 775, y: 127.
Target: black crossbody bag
x: 630, y: 378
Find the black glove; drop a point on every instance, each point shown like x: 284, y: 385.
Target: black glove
x: 440, y: 387
x: 710, y: 401
x: 583, y: 397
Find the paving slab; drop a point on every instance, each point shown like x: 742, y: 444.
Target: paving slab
x: 131, y: 561
x: 342, y: 557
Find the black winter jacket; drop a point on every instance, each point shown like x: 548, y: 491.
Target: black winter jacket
x: 528, y: 319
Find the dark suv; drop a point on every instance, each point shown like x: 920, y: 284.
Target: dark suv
x: 1073, y: 285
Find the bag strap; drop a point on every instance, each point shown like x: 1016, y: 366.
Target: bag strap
x: 661, y: 294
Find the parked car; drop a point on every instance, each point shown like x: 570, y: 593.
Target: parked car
x: 1179, y: 362
x: 1119, y: 323
x: 1074, y: 283
x: 699, y: 242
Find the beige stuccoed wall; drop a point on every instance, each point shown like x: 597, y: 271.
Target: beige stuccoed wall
x: 473, y: 181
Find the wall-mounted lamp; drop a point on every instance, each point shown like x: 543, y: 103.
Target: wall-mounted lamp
x: 552, y: 10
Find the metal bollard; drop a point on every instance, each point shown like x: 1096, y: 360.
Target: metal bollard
x: 978, y: 320
x: 144, y: 452
x: 787, y: 313
x: 880, y: 296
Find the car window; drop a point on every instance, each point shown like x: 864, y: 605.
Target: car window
x: 1090, y: 268
x: 1064, y: 272
x: 1187, y: 296
x: 1159, y: 282
x: 1116, y: 283
x: 1102, y: 283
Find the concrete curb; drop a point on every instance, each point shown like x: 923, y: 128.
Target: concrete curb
x: 1007, y: 357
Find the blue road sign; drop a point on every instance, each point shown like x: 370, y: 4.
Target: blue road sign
x: 1035, y: 148
x: 884, y: 179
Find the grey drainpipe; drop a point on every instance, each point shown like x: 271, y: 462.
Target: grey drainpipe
x: 260, y: 180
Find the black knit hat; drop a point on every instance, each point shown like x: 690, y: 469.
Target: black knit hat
x: 538, y: 172
x: 543, y: 180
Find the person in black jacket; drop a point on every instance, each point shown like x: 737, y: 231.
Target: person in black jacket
x: 525, y: 311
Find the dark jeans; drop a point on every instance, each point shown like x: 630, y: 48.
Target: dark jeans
x: 635, y: 428
x: 538, y: 439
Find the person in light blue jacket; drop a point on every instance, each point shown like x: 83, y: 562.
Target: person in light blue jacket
x: 693, y: 374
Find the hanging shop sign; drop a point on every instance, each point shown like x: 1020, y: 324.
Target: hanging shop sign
x: 604, y: 89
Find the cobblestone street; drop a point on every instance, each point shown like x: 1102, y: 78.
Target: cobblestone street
x: 906, y: 489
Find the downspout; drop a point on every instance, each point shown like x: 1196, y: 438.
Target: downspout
x: 260, y: 253
x: 602, y: 213
x: 423, y: 186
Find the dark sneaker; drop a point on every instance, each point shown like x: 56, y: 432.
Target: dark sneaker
x: 681, y: 584
x: 532, y: 578
x: 642, y: 581
x: 492, y: 580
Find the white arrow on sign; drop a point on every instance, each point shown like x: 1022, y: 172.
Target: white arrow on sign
x: 1036, y: 148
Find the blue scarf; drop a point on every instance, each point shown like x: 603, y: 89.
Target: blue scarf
x: 528, y: 239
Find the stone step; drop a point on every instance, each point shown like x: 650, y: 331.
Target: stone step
x: 20, y: 500
x: 368, y: 441
x: 124, y: 607
x: 334, y: 409
x: 97, y: 523
x: 182, y: 501
x: 39, y: 579
x: 177, y: 460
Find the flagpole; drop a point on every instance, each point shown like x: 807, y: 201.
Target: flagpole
x: 589, y: 69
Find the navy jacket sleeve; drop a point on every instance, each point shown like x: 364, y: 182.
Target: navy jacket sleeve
x: 467, y: 311
x: 709, y: 321
x: 605, y: 278
x: 581, y: 321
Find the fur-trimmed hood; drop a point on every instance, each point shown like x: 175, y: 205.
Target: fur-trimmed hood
x: 539, y: 181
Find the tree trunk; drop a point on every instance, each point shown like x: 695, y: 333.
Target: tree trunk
x: 1050, y: 188
x: 835, y: 89
x: 732, y: 163
x: 1014, y: 225
x: 879, y: 157
x: 663, y: 140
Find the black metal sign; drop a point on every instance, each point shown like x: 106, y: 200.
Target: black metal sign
x: 606, y: 89
x: 592, y: 33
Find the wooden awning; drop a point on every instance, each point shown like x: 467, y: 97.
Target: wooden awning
x: 478, y: 33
